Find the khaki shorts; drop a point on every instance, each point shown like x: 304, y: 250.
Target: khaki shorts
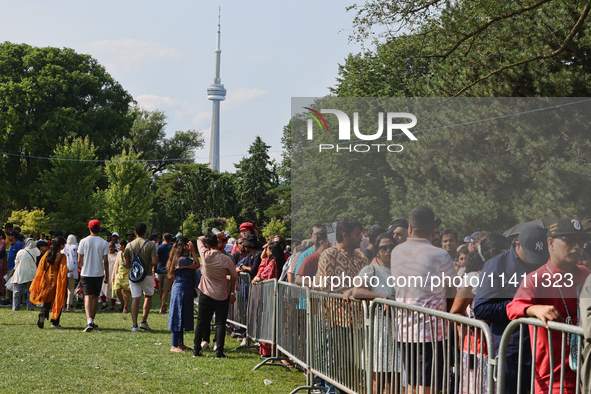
x: 165, y: 282
x: 146, y: 286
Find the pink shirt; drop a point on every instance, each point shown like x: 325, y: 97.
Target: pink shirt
x: 413, y: 264
x: 215, y: 265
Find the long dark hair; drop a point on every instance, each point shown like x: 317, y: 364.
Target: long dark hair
x: 177, y: 251
x: 54, y: 250
x: 277, y: 254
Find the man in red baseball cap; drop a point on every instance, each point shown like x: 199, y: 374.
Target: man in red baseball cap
x: 245, y: 229
x: 92, y: 259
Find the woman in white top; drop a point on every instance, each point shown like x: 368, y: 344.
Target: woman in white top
x: 71, y: 252
x: 24, y: 273
x: 385, y: 351
x: 107, y: 289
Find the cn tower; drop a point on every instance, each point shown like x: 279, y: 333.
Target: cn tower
x: 216, y: 93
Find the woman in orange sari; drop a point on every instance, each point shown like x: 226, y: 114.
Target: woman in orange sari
x: 50, y: 283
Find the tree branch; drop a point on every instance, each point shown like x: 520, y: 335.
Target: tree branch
x: 557, y: 52
x: 487, y: 25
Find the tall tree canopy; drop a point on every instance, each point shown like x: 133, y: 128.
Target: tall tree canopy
x: 148, y: 140
x: 257, y: 176
x: 470, y: 48
x: 67, y: 189
x: 48, y: 95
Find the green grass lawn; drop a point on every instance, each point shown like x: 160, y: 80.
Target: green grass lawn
x: 114, y: 360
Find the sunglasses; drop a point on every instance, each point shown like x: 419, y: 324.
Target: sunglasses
x: 385, y: 248
x: 570, y: 241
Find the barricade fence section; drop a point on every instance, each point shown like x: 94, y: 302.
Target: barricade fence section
x: 421, y: 347
x: 560, y: 344
x: 389, y: 347
x: 339, y: 340
x: 238, y: 310
x: 292, y: 322
x: 261, y: 322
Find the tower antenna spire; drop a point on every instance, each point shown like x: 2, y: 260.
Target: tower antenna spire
x: 216, y: 93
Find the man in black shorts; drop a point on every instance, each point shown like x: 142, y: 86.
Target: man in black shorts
x: 92, y: 259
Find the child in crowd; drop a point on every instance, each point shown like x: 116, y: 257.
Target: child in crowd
x: 121, y: 282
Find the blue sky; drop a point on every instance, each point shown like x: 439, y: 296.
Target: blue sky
x: 163, y: 54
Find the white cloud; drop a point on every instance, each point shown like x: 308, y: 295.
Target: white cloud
x: 243, y: 95
x: 152, y: 102
x: 132, y: 54
x: 190, y: 115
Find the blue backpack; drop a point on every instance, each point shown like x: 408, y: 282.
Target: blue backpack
x: 137, y: 273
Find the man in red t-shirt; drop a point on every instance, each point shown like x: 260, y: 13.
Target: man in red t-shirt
x: 551, y: 293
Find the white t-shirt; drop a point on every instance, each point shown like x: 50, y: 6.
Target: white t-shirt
x: 93, y: 249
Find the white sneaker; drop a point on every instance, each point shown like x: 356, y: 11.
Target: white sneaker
x: 215, y: 347
x: 245, y: 342
x: 205, y: 345
x: 144, y: 326
x: 134, y: 328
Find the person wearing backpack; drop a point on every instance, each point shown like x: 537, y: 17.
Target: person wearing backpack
x: 92, y: 259
x: 141, y: 256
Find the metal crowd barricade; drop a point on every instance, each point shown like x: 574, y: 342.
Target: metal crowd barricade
x: 237, y: 310
x: 293, y: 329
x: 400, y: 341
x: 553, y: 327
x: 338, y: 339
x: 261, y: 318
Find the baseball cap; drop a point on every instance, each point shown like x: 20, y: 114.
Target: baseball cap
x: 533, y: 241
x: 130, y: 232
x: 115, y: 235
x: 566, y: 226
x: 246, y: 226
x: 154, y: 235
x: 94, y: 224
x: 178, y: 235
x: 398, y: 223
x: 471, y: 238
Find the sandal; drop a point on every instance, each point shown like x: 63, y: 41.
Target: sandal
x: 41, y: 321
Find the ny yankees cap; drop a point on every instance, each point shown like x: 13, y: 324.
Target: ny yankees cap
x: 533, y: 241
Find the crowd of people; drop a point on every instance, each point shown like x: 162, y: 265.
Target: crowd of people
x: 539, y: 272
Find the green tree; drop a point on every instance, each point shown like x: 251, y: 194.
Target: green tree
x: 148, y: 140
x: 276, y: 227
x: 194, y: 184
x: 127, y: 200
x: 192, y: 227
x: 329, y: 185
x: 47, y: 95
x: 31, y: 221
x: 469, y: 48
x: 68, y: 187
x: 232, y: 227
x: 256, y: 176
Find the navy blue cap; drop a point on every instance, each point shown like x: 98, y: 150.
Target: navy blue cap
x: 534, y: 242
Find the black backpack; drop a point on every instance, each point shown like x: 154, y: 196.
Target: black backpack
x: 137, y: 273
